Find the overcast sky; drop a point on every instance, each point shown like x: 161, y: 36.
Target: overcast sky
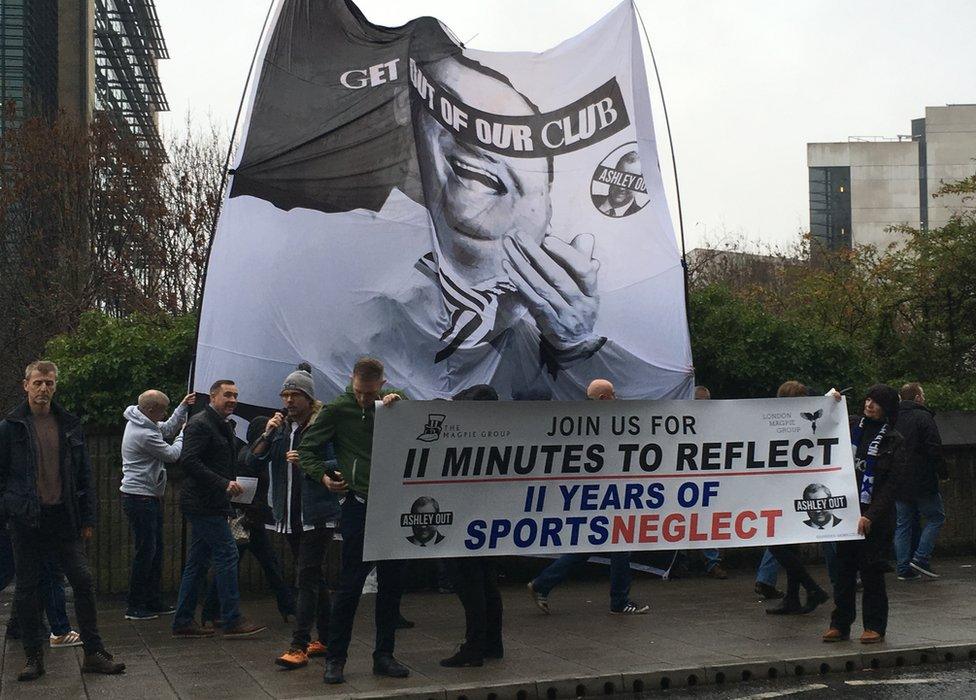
x: 748, y: 82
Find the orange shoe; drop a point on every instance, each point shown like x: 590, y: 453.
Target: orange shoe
x: 871, y: 637
x: 293, y: 658
x: 835, y: 635
x: 316, y: 648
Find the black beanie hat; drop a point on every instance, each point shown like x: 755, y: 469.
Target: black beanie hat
x: 886, y: 397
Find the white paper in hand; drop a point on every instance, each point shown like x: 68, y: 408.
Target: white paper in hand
x: 250, y: 485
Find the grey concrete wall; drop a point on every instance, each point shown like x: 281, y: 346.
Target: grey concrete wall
x: 884, y: 185
x: 950, y: 136
x: 76, y: 58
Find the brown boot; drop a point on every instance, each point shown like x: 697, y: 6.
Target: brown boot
x: 192, y: 631
x: 871, y: 637
x: 242, y: 628
x: 835, y: 635
x: 102, y: 662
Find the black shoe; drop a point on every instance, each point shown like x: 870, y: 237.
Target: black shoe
x: 788, y: 607
x: 333, y: 672
x: 140, y: 614
x: 162, y: 609
x: 386, y: 665
x: 102, y: 662
x: 495, y: 651
x: 463, y: 657
x: 404, y: 624
x: 814, y: 600
x: 34, y: 668
x: 768, y: 592
x: 924, y: 569
x: 910, y: 575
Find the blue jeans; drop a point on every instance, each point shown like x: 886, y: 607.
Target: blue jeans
x: 145, y: 515
x: 50, y: 588
x: 559, y: 571
x: 52, y: 593
x: 768, y: 569
x: 210, y: 536
x: 907, y: 529
x: 712, y: 558
x: 43, y: 553
x: 259, y: 544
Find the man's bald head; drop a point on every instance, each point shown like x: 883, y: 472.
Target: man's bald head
x: 152, y: 401
x: 600, y: 390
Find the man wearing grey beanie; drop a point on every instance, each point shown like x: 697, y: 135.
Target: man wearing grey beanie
x: 303, y: 510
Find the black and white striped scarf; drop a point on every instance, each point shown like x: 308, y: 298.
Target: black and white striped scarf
x: 471, y: 310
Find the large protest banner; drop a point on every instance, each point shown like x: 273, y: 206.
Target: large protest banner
x: 483, y: 478
x: 465, y: 216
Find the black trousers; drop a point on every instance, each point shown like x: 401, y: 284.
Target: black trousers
x: 852, y: 557
x: 56, y: 539
x: 476, y: 584
x: 788, y: 556
x: 314, y: 603
x: 352, y: 576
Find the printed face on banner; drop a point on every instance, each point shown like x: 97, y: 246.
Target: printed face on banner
x: 476, y: 197
x: 467, y: 217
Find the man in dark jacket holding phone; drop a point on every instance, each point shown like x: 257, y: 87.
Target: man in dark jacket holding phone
x: 919, y: 497
x: 47, y: 495
x: 209, y: 463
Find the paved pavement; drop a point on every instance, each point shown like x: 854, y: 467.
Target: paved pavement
x: 700, y: 633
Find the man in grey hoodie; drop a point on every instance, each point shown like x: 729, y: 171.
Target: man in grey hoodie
x: 145, y: 452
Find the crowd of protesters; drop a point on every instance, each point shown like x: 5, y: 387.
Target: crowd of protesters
x: 303, y: 474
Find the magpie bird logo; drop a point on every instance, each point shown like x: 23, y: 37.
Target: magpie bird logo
x: 813, y: 417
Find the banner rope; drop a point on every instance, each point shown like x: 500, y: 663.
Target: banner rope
x: 674, y: 160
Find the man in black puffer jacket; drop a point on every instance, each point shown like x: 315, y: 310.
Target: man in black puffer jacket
x: 880, y: 465
x: 919, y: 496
x: 209, y: 461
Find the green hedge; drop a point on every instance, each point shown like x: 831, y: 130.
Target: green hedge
x: 107, y: 362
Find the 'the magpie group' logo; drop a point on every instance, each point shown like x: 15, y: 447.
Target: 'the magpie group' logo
x: 432, y: 430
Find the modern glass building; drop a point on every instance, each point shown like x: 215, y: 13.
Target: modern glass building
x: 28, y: 59
x: 128, y: 44
x: 78, y: 57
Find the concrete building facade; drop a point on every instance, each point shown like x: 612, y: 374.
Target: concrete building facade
x: 862, y: 187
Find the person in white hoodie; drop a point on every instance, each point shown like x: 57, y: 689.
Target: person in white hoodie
x: 145, y: 452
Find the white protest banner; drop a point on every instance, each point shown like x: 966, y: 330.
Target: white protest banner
x: 466, y: 216
x: 469, y: 478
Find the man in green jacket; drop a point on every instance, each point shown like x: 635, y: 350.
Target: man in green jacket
x: 347, y: 423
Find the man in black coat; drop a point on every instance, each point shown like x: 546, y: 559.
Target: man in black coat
x: 47, y: 495
x: 209, y: 461
x: 919, y: 497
